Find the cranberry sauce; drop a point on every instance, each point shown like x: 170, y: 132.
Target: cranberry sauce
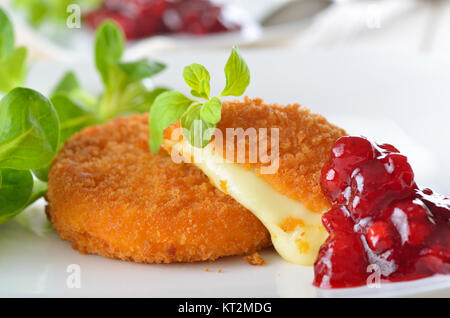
x: 143, y: 18
x: 380, y: 218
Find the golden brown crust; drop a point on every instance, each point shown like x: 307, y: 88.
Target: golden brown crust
x: 109, y: 195
x: 255, y: 259
x: 305, y: 141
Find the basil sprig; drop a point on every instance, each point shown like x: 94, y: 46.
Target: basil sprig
x: 197, y: 116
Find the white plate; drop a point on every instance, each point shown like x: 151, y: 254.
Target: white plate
x: 399, y: 100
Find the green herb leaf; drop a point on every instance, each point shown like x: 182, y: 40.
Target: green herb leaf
x: 12, y: 61
x: 109, y: 46
x: 197, y: 77
x: 72, y: 116
x: 211, y: 111
x: 6, y: 35
x: 70, y: 86
x: 196, y: 129
x: 68, y: 83
x: 142, y: 69
x: 237, y: 75
x: 166, y: 110
x: 52, y: 11
x: 29, y: 130
x: 15, y: 191
x: 13, y: 69
x: 42, y: 174
x: 199, y: 119
x: 148, y: 98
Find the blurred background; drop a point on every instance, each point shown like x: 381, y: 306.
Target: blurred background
x: 62, y: 30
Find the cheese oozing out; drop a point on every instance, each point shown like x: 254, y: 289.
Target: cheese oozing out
x: 297, y: 232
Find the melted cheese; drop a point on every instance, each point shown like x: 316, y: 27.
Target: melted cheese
x: 297, y: 233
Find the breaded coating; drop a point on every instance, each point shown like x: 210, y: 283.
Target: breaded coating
x: 305, y: 141
x: 255, y: 259
x: 109, y: 195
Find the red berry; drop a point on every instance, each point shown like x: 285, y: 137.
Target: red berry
x: 434, y: 259
x: 401, y: 175
x: 347, y: 154
x: 337, y: 219
x: 380, y: 236
x: 352, y: 151
x: 368, y: 190
x: 412, y: 219
x: 337, y: 255
x: 376, y: 202
x: 333, y: 184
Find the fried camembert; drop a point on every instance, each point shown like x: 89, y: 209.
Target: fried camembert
x: 277, y: 176
x: 109, y: 195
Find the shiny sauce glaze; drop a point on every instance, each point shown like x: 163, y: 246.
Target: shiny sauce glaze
x: 380, y: 220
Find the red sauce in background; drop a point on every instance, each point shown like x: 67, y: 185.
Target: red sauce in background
x: 143, y: 18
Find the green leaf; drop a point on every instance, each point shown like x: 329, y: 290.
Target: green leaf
x: 166, y: 110
x: 142, y: 69
x: 42, y: 174
x: 52, y: 11
x: 237, y: 75
x: 120, y: 94
x: 109, y: 46
x: 13, y: 70
x: 6, y: 35
x: 148, y: 98
x: 211, y: 111
x: 39, y: 190
x: 72, y: 116
x: 197, y: 77
x: 68, y: 83
x: 196, y: 129
x: 29, y: 130
x: 15, y: 191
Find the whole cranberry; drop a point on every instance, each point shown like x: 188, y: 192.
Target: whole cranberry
x: 339, y: 253
x: 346, y: 155
x: 337, y: 219
x: 368, y: 190
x: 378, y: 183
x: 333, y: 184
x: 380, y: 236
x: 350, y: 151
x: 434, y: 259
x: 413, y: 221
x: 401, y: 175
